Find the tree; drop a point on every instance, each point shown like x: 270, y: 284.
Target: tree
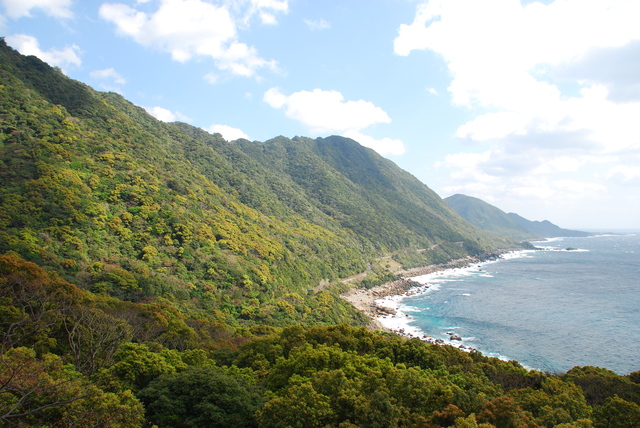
x: 599, y: 384
x: 300, y: 406
x: 94, y: 337
x: 201, y: 397
x: 503, y: 412
x: 45, y: 392
x: 32, y: 303
x: 136, y: 365
x: 617, y: 413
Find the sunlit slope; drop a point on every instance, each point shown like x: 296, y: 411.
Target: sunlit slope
x: 121, y: 203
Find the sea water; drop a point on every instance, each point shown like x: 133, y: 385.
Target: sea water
x: 575, y: 302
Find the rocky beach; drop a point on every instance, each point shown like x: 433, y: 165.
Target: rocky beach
x: 366, y: 299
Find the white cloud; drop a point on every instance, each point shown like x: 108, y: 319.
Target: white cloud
x: 211, y: 78
x: 28, y: 45
x: 560, y: 164
x: 188, y: 29
x: 553, y: 90
x: 166, y: 115
x: 109, y: 79
x: 228, y: 133
x: 161, y: 113
x: 467, y: 168
x: 574, y: 189
x: 494, y: 175
x: 265, y: 10
x: 502, y: 56
x: 319, y: 24
x: 19, y: 8
x: 384, y: 146
x: 109, y: 74
x: 326, y: 112
x: 625, y: 174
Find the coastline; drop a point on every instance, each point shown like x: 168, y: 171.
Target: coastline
x: 568, y: 278
x: 367, y: 300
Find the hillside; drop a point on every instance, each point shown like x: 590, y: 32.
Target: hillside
x: 153, y: 274
x: 492, y: 219
x: 487, y: 217
x: 93, y: 185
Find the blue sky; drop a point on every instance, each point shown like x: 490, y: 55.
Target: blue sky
x: 531, y: 106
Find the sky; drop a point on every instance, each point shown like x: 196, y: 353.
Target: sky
x: 531, y: 106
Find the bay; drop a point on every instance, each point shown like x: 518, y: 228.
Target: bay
x: 574, y: 303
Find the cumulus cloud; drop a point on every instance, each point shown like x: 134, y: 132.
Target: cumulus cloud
x: 211, y: 78
x: 265, y: 10
x: 166, y: 115
x: 326, y: 112
x: 29, y: 45
x: 625, y: 174
x: 318, y: 24
x: 616, y: 68
x: 108, y: 73
x: 228, y: 133
x: 193, y: 28
x: 553, y: 89
x: 19, y: 8
x: 109, y: 79
x: 384, y: 146
x: 504, y: 62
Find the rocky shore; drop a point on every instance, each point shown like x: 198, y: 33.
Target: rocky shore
x: 365, y: 299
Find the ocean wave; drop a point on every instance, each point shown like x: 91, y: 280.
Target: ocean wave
x: 568, y: 249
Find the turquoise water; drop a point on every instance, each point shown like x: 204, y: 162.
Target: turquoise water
x: 551, y: 310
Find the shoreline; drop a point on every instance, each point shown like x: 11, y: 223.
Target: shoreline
x: 421, y: 313
x: 366, y: 300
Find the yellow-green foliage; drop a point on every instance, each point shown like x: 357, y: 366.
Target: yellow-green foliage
x: 72, y: 358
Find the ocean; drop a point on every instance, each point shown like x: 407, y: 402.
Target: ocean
x: 576, y: 302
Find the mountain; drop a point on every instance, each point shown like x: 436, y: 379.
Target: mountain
x: 119, y: 203
x: 487, y: 217
x: 545, y: 228
x: 493, y: 219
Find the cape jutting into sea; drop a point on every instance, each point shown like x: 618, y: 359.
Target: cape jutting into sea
x: 576, y: 302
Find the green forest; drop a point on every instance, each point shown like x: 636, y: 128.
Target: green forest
x: 153, y: 274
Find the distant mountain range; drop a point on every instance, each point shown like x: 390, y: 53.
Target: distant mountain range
x: 493, y: 219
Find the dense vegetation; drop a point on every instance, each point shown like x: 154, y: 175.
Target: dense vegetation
x: 153, y: 273
x: 119, y: 203
x: 73, y: 358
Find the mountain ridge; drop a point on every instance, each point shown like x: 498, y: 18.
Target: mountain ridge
x: 490, y: 218
x: 103, y: 186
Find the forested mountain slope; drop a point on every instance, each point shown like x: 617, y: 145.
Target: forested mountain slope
x: 118, y: 202
x: 487, y: 217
